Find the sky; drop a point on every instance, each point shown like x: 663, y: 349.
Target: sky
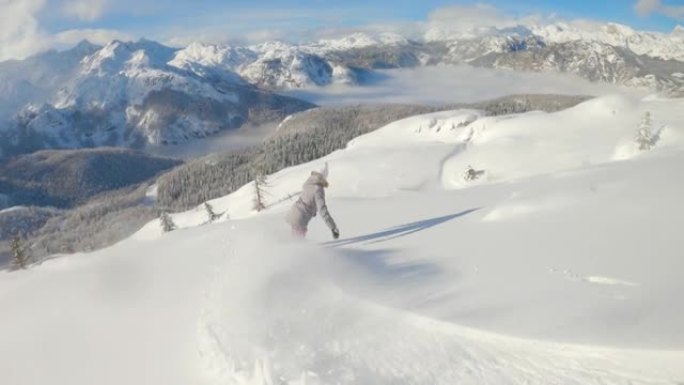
x: 30, y: 26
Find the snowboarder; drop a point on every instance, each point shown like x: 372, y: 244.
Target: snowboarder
x: 311, y: 200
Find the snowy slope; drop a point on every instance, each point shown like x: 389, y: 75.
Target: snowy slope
x: 561, y: 264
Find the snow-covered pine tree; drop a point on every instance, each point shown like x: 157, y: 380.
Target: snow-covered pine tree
x: 212, y: 216
x: 166, y: 222
x: 647, y: 136
x: 20, y: 258
x: 260, y: 184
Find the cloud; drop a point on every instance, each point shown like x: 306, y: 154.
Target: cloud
x: 20, y: 33
x: 467, y: 16
x: 473, y: 18
x: 223, y: 35
x: 440, y: 85
x: 86, y: 10
x: 648, y: 7
x: 245, y: 25
x: 300, y: 25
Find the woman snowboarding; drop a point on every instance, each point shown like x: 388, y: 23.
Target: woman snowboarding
x: 311, y: 201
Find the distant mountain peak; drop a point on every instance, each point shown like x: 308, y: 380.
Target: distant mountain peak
x: 85, y: 45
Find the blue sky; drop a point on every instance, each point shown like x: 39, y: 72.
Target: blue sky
x: 139, y: 16
x: 37, y: 24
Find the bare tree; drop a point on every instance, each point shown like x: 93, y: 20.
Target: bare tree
x: 20, y: 257
x: 211, y: 213
x: 260, y: 185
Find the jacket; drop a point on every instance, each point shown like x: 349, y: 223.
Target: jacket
x: 310, y: 202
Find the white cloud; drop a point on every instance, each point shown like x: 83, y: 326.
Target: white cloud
x: 249, y: 26
x: 219, y: 35
x: 648, y: 7
x: 439, y: 85
x: 467, y: 16
x: 256, y: 27
x: 87, y: 10
x: 478, y: 15
x: 20, y: 33
x: 409, y: 30
x: 473, y: 20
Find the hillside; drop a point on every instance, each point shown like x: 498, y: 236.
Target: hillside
x: 73, y: 200
x: 100, y: 214
x: 312, y: 134
x: 554, y: 264
x: 66, y: 178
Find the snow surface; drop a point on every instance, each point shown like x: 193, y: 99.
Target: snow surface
x: 561, y: 264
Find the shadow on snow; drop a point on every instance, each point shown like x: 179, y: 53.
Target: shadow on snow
x: 398, y: 231
x: 379, y: 264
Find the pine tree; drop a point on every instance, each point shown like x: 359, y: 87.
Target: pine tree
x: 646, y: 136
x: 210, y: 212
x: 166, y: 222
x: 20, y: 258
x: 259, y: 192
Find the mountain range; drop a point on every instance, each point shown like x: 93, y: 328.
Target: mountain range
x: 124, y: 94
x: 610, y: 53
x: 137, y: 94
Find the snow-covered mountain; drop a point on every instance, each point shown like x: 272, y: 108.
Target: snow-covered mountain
x: 270, y: 65
x: 140, y: 93
x: 595, y: 61
x: 654, y: 44
x: 599, y: 52
x: 559, y: 263
x: 124, y: 94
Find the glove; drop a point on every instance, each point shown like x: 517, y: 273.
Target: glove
x: 335, y: 233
